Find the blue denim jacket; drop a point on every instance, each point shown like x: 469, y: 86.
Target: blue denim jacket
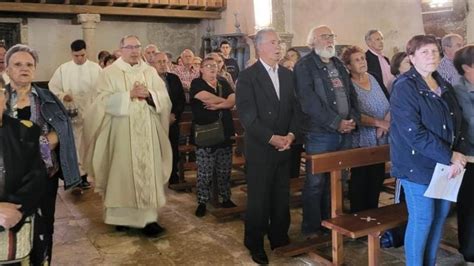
x: 425, y: 127
x: 54, y: 113
x: 317, y: 98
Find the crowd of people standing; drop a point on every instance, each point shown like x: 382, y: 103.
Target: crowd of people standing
x: 117, y: 123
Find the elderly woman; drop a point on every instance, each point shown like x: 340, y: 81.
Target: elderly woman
x: 366, y: 181
x: 425, y: 126
x: 221, y: 69
x: 211, y: 101
x: 464, y: 88
x: 23, y: 175
x: 29, y: 102
x: 399, y: 64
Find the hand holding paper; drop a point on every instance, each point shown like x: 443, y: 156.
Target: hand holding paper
x: 443, y: 185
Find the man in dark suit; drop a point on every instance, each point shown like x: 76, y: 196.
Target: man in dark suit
x: 266, y: 105
x: 178, y: 100
x: 378, y: 65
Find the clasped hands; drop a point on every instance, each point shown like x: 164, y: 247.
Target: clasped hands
x: 458, y: 163
x: 139, y: 91
x: 10, y: 214
x: 282, y: 143
x: 346, y: 126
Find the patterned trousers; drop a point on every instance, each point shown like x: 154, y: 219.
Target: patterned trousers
x: 209, y: 162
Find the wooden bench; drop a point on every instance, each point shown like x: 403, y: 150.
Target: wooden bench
x: 335, y: 163
x: 370, y: 223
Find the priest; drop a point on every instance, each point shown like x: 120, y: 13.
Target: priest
x: 128, y: 151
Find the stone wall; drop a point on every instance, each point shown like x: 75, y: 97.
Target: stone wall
x: 52, y: 37
x: 350, y: 20
x: 440, y: 24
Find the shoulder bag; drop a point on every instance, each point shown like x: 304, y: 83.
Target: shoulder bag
x: 210, y: 134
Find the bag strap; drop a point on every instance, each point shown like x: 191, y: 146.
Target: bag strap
x: 219, y: 92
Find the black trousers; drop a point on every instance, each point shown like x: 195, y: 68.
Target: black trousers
x: 296, y: 151
x: 465, y: 209
x: 268, y: 210
x: 174, y: 140
x: 365, y: 185
x: 44, y: 225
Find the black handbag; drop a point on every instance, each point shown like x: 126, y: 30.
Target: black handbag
x: 210, y: 134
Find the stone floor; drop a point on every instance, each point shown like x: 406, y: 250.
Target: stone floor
x: 81, y: 238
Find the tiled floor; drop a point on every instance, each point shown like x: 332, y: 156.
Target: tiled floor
x: 81, y: 238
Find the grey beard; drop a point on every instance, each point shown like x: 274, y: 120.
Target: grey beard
x: 325, y: 53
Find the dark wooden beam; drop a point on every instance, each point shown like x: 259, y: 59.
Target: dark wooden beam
x: 106, y: 10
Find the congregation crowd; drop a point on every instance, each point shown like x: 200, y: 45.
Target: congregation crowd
x: 116, y: 122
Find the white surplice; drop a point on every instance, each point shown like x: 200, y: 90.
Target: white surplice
x: 77, y: 81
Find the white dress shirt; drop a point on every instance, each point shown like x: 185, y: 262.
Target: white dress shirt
x: 273, y: 73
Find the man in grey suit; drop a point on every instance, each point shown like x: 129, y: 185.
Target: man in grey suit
x: 266, y: 104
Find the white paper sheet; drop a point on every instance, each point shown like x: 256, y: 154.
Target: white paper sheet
x: 442, y: 187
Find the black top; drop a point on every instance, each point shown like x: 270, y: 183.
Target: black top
x: 232, y: 67
x: 24, y: 113
x: 25, y: 173
x: 373, y: 67
x: 202, y: 116
x: 176, y: 93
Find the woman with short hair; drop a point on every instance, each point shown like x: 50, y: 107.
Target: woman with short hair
x: 211, y: 101
x: 366, y: 181
x: 425, y: 129
x: 29, y: 102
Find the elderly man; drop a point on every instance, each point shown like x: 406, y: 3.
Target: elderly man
x: 267, y: 109
x: 450, y: 44
x: 149, y: 53
x: 186, y: 71
x: 128, y: 149
x: 377, y: 64
x: 73, y: 82
x: 3, y: 51
x: 329, y: 105
x: 176, y: 93
x: 230, y: 63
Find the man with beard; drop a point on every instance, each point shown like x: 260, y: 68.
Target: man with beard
x: 329, y: 106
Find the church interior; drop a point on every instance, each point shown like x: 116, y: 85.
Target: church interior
x: 80, y: 235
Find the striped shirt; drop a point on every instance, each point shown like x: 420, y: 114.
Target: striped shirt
x: 447, y: 70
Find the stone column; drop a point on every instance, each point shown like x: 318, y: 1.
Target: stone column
x: 279, y: 22
x: 88, y: 22
x: 470, y: 22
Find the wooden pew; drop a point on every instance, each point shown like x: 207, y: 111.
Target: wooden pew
x: 340, y: 224
x: 185, y: 149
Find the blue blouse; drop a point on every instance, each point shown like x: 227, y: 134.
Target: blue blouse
x: 372, y: 103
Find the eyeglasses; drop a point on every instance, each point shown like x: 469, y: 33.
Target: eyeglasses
x: 328, y: 37
x: 210, y: 66
x: 131, y: 47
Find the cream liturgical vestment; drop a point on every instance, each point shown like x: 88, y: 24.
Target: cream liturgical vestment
x: 128, y: 150
x: 77, y: 81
